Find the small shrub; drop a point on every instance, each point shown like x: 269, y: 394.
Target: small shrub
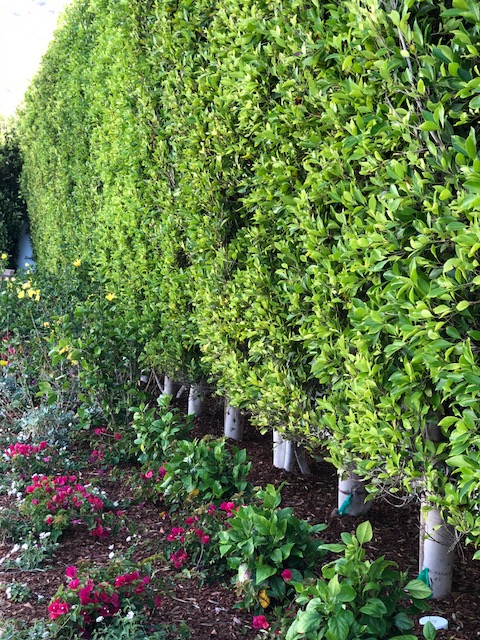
x: 202, y: 471
x: 54, y: 503
x: 193, y: 540
x: 157, y: 428
x: 269, y: 547
x: 92, y: 598
x: 16, y: 591
x: 357, y: 599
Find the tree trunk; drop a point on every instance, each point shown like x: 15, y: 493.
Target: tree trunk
x: 233, y: 422
x: 437, y: 539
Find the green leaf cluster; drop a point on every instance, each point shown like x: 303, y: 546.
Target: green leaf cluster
x: 12, y: 204
x: 261, y: 540
x: 205, y: 470
x: 358, y: 598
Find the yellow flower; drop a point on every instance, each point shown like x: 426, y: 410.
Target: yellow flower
x: 4, y: 256
x: 46, y: 324
x: 26, y: 285
x: 77, y: 263
x: 21, y: 294
x: 3, y: 363
x: 110, y: 296
x: 263, y: 598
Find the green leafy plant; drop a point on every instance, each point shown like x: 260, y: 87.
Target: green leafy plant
x: 157, y: 429
x: 268, y: 547
x: 16, y: 591
x: 358, y: 598
x: 201, y: 471
x: 31, y: 552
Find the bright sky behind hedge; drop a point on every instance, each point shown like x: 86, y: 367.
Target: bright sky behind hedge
x: 26, y: 28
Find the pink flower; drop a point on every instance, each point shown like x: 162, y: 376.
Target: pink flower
x: 71, y: 572
x: 205, y: 539
x: 260, y: 622
x: 149, y: 474
x: 84, y: 594
x: 73, y: 584
x: 178, y: 558
x: 49, y: 519
x: 162, y: 471
x: 118, y: 436
x: 57, y: 608
x: 211, y: 509
x: 286, y: 575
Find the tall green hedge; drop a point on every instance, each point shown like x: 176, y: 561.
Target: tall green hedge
x: 12, y: 205
x: 288, y: 194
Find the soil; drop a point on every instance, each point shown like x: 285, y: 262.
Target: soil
x: 209, y: 610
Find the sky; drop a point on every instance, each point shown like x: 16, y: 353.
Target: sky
x: 26, y: 28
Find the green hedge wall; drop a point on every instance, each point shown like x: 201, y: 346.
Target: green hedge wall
x: 12, y: 205
x: 288, y: 194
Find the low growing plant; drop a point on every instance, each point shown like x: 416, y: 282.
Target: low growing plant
x: 157, y: 428
x: 54, y: 503
x: 269, y: 548
x: 202, y: 471
x: 193, y: 540
x: 16, y: 591
x: 357, y: 599
x: 95, y: 596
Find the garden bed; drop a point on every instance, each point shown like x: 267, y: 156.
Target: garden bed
x: 209, y: 610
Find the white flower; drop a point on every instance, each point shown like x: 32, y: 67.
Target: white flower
x: 111, y: 554
x: 129, y: 615
x: 99, y: 619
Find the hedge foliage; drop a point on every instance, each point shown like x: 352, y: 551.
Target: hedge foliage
x: 12, y: 205
x: 288, y: 193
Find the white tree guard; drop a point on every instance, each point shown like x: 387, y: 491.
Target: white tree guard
x: 350, y: 484
x: 278, y: 450
x: 286, y: 453
x: 170, y: 387
x: 196, y: 400
x: 233, y: 423
x: 436, y: 551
